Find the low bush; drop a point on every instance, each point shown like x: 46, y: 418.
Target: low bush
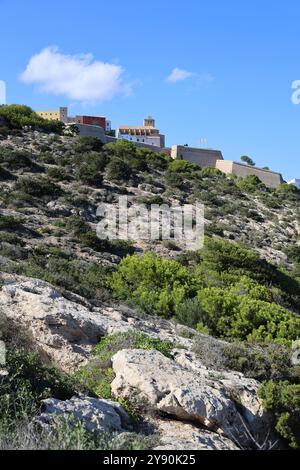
x: 62, y: 269
x: 282, y: 399
x: 155, y: 285
x: 8, y: 222
x: 35, y: 187
x: 5, y: 175
x: 58, y: 174
x: 88, y: 144
x: 251, y: 184
x: 27, y: 383
x: 118, y: 170
x: 18, y: 116
x: 16, y: 160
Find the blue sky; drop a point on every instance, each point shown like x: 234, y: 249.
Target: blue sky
x: 237, y: 60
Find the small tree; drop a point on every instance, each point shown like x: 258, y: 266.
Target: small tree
x: 247, y: 160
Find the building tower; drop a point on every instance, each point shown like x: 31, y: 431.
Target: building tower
x: 149, y: 122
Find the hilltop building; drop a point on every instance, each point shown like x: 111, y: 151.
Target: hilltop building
x: 146, y: 134
x: 99, y: 121
x: 60, y: 114
x: 295, y: 182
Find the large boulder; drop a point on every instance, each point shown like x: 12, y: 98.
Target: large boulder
x: 174, y: 435
x: 167, y: 387
x: 95, y: 415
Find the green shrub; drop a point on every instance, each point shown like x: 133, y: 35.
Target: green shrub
x: 27, y: 383
x: 156, y: 161
x: 17, y: 116
x: 182, y: 166
x: 87, y: 175
x: 5, y: 175
x: 88, y: 144
x: 189, y: 313
x: 131, y: 339
x: 16, y: 160
x: 287, y: 189
x: 156, y: 285
x: 66, y: 272
x: 118, y: 170
x: 58, y: 174
x: 234, y: 316
x: 148, y: 201
x: 8, y: 222
x: 174, y: 180
x: 38, y: 187
x: 11, y: 238
x: 283, y: 400
x: 251, y: 184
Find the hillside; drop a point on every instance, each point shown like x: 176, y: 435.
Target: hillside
x: 100, y: 320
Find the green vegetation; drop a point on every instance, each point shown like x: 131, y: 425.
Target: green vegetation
x: 251, y: 184
x: 88, y: 144
x: 224, y: 290
x: 118, y: 170
x: 18, y: 116
x: 155, y: 285
x: 67, y: 272
x: 27, y: 383
x: 283, y: 400
x: 38, y: 187
x: 8, y: 222
x: 229, y: 291
x: 247, y: 160
x: 90, y: 167
x: 98, y: 374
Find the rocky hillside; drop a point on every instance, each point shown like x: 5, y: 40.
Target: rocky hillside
x: 133, y: 345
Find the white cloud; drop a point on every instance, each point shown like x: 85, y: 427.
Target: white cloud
x: 178, y: 75
x: 77, y: 77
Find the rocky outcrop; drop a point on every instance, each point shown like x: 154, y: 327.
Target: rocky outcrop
x: 190, y: 394
x: 174, y: 435
x: 204, y: 408
x: 95, y: 415
x: 63, y: 330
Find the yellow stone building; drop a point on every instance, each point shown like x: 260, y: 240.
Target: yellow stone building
x: 60, y: 114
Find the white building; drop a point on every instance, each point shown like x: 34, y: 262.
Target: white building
x: 146, y: 134
x: 295, y: 182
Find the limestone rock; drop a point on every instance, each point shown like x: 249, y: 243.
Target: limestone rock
x: 174, y: 435
x: 168, y: 387
x: 96, y: 415
x: 65, y: 330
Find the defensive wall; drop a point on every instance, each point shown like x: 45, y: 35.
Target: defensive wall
x: 203, y: 157
x: 268, y: 177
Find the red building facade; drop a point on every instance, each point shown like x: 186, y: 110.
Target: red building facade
x: 92, y: 121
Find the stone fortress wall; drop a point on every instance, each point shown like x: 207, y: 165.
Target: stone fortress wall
x: 202, y: 157
x: 214, y: 159
x: 268, y: 177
